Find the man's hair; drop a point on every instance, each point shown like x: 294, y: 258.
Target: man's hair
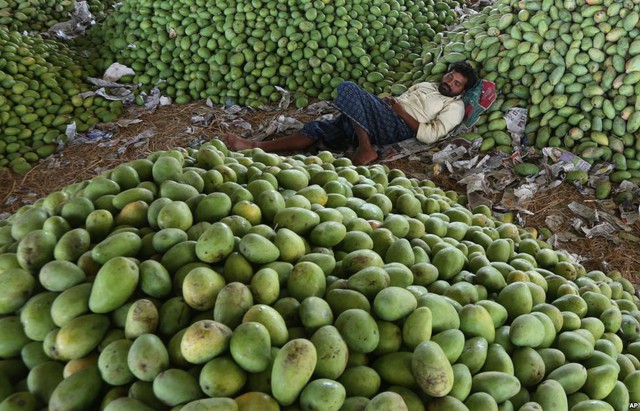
x: 467, y: 71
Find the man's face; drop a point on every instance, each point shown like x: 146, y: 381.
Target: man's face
x: 452, y: 84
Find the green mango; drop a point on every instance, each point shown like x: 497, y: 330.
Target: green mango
x: 527, y: 331
x: 572, y: 376
x: 387, y: 400
x: 498, y: 360
x: 35, y: 250
x: 417, y: 327
x: 271, y: 319
x: 369, y: 281
x: 481, y: 401
x: 516, y: 298
x: 394, y: 303
x: 79, y: 391
x: 216, y: 243
x: 60, y: 275
x: 528, y: 365
x: 126, y: 404
x: 443, y: 312
x: 323, y: 394
x: 257, y: 249
x: 201, y: 287
x: 14, y: 338
x: 332, y: 349
x: 80, y: 335
x: 35, y: 316
x: 600, y: 381
x: 475, y: 321
x: 292, y: 369
x: 175, y: 386
x: 250, y: 346
x: 395, y: 369
x: 314, y: 313
x: 232, y: 302
x: 142, y: 318
x: 474, y: 353
x: 431, y: 369
x: 147, y: 357
x: 70, y: 304
x: 500, y: 386
x: 72, y: 245
x: 18, y: 401
x: 112, y: 363
x: 305, y: 280
x: 115, y: 282
x: 218, y: 404
x: 123, y: 244
x: 359, y: 330
x: 204, y: 340
x: 452, y: 343
x: 44, y: 378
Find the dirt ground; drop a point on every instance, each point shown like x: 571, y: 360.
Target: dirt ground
x: 172, y: 126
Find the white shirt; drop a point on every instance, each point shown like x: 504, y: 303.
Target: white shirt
x: 437, y: 114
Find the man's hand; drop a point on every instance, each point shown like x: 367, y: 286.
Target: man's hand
x: 390, y: 100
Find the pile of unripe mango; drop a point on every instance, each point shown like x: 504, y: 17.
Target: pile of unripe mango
x: 206, y: 279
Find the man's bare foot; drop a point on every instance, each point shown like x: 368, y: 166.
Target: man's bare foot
x: 364, y: 156
x: 234, y: 142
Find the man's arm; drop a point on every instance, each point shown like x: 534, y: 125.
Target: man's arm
x: 445, y: 121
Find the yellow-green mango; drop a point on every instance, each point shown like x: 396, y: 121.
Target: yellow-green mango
x: 175, y: 386
x: 619, y: 397
x: 552, y: 357
x: 394, y: 303
x: 387, y: 400
x: 360, y: 381
x: 600, y: 381
x: 147, y: 357
x: 257, y: 249
x: 444, y: 314
x: 359, y: 330
x: 115, y: 282
x: 474, y: 353
x: 332, y: 350
x: 528, y: 366
x: 369, y: 281
x: 255, y: 400
x: 250, y: 346
x: 70, y: 304
x: 292, y: 369
x: 123, y: 244
x: 233, y: 301
x: 112, y: 363
x: 498, y: 360
x: 265, y: 286
x: 341, y: 300
x: 142, y: 318
x: 395, y: 369
x: 19, y: 401
x: 325, y: 261
x: 431, y: 369
x: 166, y: 238
x: 216, y: 243
x: 204, y: 340
x: 324, y: 394
x: 211, y: 404
x: 272, y: 320
x: 33, y: 354
x: 452, y: 343
x: 572, y: 303
x: 201, y: 287
x: 126, y: 404
x: 290, y: 245
x: 499, y: 385
x: 417, y: 327
x: 400, y: 251
x: 449, y: 261
x: 475, y: 321
x: 271, y: 203
x: 44, y: 378
x: 31, y: 220
x: 35, y: 250
x: 79, y: 336
x: 527, y: 331
x: 306, y: 280
x: 35, y: 316
x: 99, y: 224
x: 79, y: 391
x: 574, y: 346
x: 59, y: 275
x: 516, y: 298
x: 297, y: 219
x: 314, y: 313
x: 237, y: 268
x: 72, y: 245
x: 447, y: 403
x: 551, y: 396
x: 481, y: 401
x: 571, y: 376
x: 328, y: 234
x: 359, y: 259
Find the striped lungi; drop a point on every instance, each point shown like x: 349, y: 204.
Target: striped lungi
x: 370, y: 112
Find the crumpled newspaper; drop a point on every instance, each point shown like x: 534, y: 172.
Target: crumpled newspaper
x: 81, y: 18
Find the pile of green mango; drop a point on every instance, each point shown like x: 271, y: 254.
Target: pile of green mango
x: 206, y: 279
x: 40, y: 15
x: 573, y: 64
x: 242, y: 51
x: 41, y: 81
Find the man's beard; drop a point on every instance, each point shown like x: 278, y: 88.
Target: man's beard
x: 445, y: 90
